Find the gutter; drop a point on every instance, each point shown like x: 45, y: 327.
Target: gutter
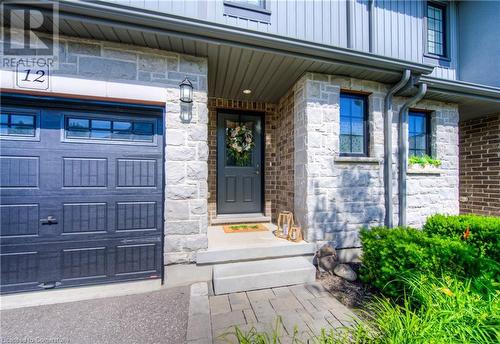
x: 216, y: 33
x: 403, y: 149
x: 462, y: 88
x: 388, y: 145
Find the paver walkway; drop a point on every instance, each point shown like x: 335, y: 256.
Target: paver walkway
x: 303, y: 309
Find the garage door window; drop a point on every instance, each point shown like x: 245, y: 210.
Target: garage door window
x: 19, y: 125
x: 104, y: 129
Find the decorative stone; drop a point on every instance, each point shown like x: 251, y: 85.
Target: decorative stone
x: 103, y: 68
x: 152, y: 63
x: 180, y: 153
x: 84, y: 48
x: 193, y: 65
x: 180, y: 192
x: 346, y: 272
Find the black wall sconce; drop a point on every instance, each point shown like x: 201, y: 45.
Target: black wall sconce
x: 186, y: 98
x: 186, y: 91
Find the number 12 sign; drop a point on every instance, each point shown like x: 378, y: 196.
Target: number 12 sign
x: 35, y: 78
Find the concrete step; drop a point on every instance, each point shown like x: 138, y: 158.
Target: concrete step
x: 240, y: 218
x: 254, y: 252
x: 259, y: 274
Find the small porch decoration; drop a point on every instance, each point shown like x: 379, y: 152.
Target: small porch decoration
x: 240, y: 142
x: 295, y: 234
x: 245, y: 227
x: 285, y: 223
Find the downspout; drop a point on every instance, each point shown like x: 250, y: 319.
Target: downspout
x: 403, y: 149
x: 350, y: 23
x: 388, y: 145
x: 371, y: 25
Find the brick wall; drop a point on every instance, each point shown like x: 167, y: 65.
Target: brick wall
x: 285, y: 154
x: 480, y: 166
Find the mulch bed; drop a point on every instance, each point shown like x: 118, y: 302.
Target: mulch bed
x: 351, y: 294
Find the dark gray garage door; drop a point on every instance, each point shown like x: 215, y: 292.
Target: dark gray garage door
x: 81, y: 196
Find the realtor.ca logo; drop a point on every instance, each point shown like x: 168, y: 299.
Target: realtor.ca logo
x: 30, y: 41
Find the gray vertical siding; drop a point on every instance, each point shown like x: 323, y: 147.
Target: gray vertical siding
x: 479, y: 46
x: 398, y: 25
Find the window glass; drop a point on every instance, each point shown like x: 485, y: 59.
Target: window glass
x: 22, y: 120
x: 418, y: 136
x: 435, y: 30
x: 77, y: 123
x: 353, y: 125
x: 110, y: 130
x: 258, y: 3
x: 143, y: 128
x: 4, y: 119
x: 122, y: 126
x: 98, y: 124
x: 17, y: 125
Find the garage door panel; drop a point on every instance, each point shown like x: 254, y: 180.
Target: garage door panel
x: 84, y: 217
x: 80, y: 212
x: 137, y: 173
x: 84, y: 263
x: 20, y: 269
x: 19, y: 220
x: 19, y: 171
x: 85, y: 172
x: 70, y: 263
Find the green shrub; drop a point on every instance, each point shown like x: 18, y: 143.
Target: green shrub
x: 389, y: 255
x: 484, y: 231
x: 434, y: 310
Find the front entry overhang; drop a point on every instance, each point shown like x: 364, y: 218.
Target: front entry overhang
x: 241, y: 59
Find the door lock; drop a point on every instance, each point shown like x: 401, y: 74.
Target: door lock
x: 50, y: 220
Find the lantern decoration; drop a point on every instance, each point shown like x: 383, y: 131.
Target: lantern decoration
x: 295, y: 234
x: 186, y: 91
x: 285, y: 223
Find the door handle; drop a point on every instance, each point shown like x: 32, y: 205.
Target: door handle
x: 50, y: 220
x: 257, y: 172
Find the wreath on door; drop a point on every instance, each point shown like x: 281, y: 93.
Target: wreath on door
x: 240, y: 143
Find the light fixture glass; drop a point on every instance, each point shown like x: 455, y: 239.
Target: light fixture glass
x: 247, y: 91
x: 186, y: 91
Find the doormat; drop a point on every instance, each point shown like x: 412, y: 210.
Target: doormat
x: 245, y: 227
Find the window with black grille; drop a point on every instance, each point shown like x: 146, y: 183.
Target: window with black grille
x: 418, y: 134
x: 436, y: 29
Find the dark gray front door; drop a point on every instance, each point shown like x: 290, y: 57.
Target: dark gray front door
x: 81, y: 196
x: 239, y: 182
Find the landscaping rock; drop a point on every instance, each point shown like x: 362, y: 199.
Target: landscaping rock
x: 327, y: 264
x: 326, y: 258
x: 346, y: 272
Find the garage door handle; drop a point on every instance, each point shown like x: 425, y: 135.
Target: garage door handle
x: 49, y: 285
x: 51, y: 220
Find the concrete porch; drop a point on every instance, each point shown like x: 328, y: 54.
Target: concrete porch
x: 255, y: 260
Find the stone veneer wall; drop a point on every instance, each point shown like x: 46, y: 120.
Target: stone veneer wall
x: 430, y: 193
x: 269, y: 110
x: 186, y: 151
x: 480, y: 166
x: 340, y: 195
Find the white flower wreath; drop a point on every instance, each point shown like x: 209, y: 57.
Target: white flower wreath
x: 240, y: 142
